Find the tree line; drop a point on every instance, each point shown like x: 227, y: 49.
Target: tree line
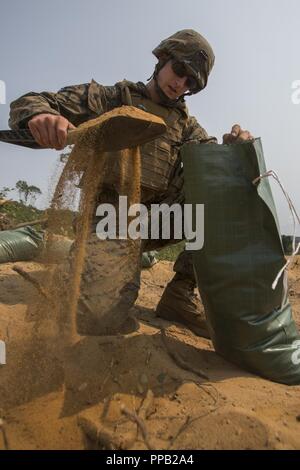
x: 27, y: 193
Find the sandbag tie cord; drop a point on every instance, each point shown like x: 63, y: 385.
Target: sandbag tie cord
x: 294, y: 215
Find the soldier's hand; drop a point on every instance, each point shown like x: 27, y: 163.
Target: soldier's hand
x: 237, y: 135
x: 50, y: 131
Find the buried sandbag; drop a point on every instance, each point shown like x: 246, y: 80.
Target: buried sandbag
x: 250, y: 323
x: 22, y: 244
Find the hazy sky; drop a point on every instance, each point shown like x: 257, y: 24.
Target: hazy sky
x: 48, y: 45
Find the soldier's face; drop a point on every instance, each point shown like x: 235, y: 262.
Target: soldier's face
x: 170, y: 83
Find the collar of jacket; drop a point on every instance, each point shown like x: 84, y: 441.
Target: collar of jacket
x: 141, y: 88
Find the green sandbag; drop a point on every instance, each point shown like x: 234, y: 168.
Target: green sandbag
x: 22, y: 244
x: 149, y: 259
x: 250, y: 323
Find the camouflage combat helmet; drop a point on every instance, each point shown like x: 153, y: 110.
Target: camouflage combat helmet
x: 190, y: 48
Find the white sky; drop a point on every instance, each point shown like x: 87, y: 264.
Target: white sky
x: 48, y: 45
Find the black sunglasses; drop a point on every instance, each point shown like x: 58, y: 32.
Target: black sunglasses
x: 180, y: 70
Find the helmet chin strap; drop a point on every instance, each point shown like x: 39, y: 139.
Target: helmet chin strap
x: 164, y: 99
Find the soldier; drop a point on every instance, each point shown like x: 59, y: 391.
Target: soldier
x: 185, y: 61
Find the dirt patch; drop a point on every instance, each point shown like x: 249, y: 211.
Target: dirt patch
x: 127, y: 391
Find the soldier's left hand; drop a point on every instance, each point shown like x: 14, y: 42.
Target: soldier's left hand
x: 237, y: 135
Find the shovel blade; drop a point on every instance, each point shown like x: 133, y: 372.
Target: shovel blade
x: 121, y: 128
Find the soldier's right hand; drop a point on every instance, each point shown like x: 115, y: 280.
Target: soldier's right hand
x: 49, y: 130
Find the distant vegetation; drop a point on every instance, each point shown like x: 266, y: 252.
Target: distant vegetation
x: 15, y: 212
x: 27, y: 193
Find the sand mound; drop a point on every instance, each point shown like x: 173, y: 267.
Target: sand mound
x: 128, y: 391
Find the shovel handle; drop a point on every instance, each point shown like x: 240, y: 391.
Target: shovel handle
x: 24, y: 138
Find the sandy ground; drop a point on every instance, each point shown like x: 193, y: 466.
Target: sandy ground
x: 132, y: 392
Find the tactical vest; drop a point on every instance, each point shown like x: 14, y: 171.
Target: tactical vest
x: 158, y: 157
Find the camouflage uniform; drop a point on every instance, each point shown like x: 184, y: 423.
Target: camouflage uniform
x: 161, y: 181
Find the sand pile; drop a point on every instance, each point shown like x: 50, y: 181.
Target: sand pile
x: 45, y: 407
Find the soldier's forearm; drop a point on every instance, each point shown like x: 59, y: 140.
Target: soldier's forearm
x: 77, y: 103
x: 26, y: 107
x: 70, y: 102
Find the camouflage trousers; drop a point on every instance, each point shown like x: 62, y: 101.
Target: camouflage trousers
x: 110, y: 279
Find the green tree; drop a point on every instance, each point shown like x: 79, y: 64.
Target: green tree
x: 4, y: 192
x: 25, y: 191
x: 33, y: 192
x: 22, y: 188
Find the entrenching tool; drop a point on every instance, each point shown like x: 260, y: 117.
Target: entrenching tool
x: 127, y: 128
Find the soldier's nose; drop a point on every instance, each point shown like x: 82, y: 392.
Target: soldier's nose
x: 180, y: 82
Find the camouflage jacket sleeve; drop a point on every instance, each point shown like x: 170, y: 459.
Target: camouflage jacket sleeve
x: 195, y: 133
x: 77, y: 103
